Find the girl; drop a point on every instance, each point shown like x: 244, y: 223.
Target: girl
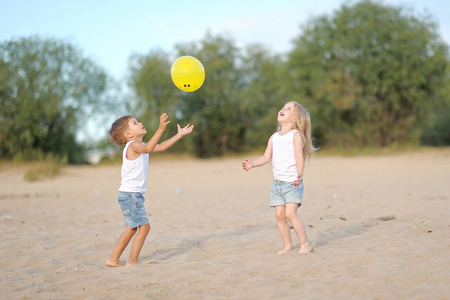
x: 288, y: 148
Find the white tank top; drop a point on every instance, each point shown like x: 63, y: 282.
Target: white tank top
x: 283, y: 157
x: 134, y: 172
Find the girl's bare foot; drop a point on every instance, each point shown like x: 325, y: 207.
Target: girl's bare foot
x: 114, y: 264
x: 284, y: 250
x: 131, y: 263
x: 306, y: 248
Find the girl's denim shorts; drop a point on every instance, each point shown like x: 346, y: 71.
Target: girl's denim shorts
x: 133, y: 210
x: 285, y: 192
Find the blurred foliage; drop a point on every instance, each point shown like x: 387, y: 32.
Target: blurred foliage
x: 241, y: 87
x: 371, y: 75
x: 437, y: 131
x: 46, y: 90
x: 438, y: 134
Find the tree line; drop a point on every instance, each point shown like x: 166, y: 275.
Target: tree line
x: 371, y: 75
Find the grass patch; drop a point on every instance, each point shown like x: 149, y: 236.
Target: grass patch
x: 46, y: 169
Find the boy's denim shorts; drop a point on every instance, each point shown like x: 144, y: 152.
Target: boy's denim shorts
x: 285, y: 192
x: 133, y: 210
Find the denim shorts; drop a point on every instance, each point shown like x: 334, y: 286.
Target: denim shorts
x: 285, y: 192
x: 133, y: 210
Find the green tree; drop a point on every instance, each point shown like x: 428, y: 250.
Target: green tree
x: 437, y: 131
x: 368, y: 73
x: 214, y: 108
x: 47, y: 90
x: 151, y: 83
x: 234, y: 110
x: 261, y: 96
x: 154, y: 92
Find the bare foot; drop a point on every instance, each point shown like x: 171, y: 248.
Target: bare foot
x: 114, y: 264
x: 284, y: 250
x: 306, y: 248
x: 131, y: 263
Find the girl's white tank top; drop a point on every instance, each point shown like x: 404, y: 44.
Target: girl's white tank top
x: 283, y: 157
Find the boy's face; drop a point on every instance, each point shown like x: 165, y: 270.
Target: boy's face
x: 135, y: 128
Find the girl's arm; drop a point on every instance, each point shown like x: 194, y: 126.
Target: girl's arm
x: 260, y: 161
x: 299, y: 159
x: 169, y: 143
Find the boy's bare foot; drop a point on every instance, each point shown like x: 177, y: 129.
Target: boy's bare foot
x: 305, y: 248
x: 114, y: 264
x: 282, y: 251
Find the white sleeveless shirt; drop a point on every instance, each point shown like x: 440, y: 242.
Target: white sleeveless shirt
x: 134, y: 172
x: 283, y: 157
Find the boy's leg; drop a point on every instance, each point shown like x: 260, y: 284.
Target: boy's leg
x: 284, y: 228
x: 138, y: 242
x: 121, y: 244
x: 299, y: 228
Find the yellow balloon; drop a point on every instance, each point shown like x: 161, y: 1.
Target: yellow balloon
x: 187, y: 73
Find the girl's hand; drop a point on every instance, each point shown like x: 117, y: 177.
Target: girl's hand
x: 299, y: 180
x: 247, y: 165
x: 162, y: 121
x: 185, y: 130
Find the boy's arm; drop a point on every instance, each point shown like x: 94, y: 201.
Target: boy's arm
x: 299, y: 159
x: 150, y: 146
x: 260, y: 161
x: 169, y: 143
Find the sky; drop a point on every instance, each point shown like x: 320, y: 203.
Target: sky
x: 109, y: 31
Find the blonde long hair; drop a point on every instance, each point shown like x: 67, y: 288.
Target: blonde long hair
x: 302, y: 123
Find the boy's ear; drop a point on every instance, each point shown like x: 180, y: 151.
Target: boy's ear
x: 128, y: 134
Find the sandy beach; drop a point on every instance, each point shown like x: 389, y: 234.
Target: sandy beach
x: 379, y: 226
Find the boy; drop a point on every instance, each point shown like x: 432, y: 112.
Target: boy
x: 129, y: 132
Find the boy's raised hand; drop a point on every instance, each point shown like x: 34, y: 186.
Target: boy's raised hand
x: 185, y: 130
x: 162, y: 121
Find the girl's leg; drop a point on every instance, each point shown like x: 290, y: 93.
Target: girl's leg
x: 299, y: 228
x: 121, y: 244
x: 138, y: 242
x: 284, y: 228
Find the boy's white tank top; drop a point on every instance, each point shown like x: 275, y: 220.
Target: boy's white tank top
x: 283, y: 157
x: 134, y: 172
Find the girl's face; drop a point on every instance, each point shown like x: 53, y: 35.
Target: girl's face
x: 136, y: 128
x: 286, y: 114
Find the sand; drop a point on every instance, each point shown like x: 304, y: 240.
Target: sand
x: 379, y: 225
